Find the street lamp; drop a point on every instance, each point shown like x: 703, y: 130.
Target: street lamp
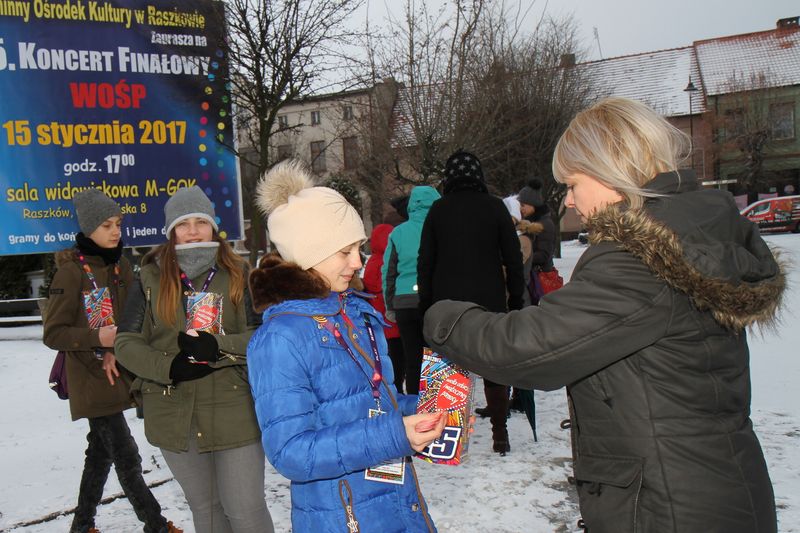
x: 690, y: 88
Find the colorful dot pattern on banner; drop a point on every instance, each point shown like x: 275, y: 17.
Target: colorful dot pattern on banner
x: 211, y: 155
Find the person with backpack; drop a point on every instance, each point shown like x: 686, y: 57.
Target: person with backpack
x: 86, y: 298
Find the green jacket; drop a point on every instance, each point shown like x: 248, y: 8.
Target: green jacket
x: 66, y: 328
x: 218, y: 407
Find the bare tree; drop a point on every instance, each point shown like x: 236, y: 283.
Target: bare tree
x: 279, y: 51
x: 473, y: 79
x: 749, y: 118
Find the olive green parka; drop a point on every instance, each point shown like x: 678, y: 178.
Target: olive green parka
x: 218, y: 408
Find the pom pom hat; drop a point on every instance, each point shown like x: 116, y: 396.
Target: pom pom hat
x: 531, y: 193
x: 307, y: 224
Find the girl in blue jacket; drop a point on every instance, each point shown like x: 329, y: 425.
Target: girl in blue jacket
x: 331, y: 420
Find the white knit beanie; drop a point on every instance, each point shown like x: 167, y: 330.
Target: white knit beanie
x: 307, y: 224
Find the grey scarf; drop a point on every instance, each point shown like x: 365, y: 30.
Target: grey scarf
x: 194, y: 258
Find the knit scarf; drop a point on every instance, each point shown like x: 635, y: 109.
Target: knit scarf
x: 194, y: 258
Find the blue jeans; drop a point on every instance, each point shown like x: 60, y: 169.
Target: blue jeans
x: 224, y: 489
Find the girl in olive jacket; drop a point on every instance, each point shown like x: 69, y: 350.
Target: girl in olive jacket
x: 98, y: 387
x: 193, y: 384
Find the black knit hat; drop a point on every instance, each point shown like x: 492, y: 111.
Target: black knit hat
x: 531, y: 193
x: 463, y: 168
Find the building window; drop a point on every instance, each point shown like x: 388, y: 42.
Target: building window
x: 781, y: 121
x: 315, y: 118
x: 318, y: 156
x: 347, y: 112
x: 285, y: 151
x: 350, y: 152
x: 734, y: 124
x: 283, y: 121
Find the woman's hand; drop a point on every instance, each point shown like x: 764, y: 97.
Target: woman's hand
x: 110, y: 366
x: 424, y: 428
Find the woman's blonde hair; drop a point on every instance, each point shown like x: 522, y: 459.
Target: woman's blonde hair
x: 621, y: 143
x: 170, y: 290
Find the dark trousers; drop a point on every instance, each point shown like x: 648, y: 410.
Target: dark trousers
x: 497, y: 404
x: 398, y: 358
x: 110, y: 442
x: 409, y: 321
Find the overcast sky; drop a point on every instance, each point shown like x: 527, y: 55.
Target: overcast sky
x: 631, y: 26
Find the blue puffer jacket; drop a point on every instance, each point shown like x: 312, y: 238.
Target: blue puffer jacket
x: 312, y: 401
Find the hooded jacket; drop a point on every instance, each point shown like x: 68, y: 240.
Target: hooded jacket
x: 312, y: 400
x: 67, y: 328
x: 399, y: 269
x: 217, y: 407
x: 373, y: 281
x: 649, y: 338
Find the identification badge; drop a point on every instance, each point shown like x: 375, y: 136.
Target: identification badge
x: 389, y: 471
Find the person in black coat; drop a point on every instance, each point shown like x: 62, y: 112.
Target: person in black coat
x: 469, y: 251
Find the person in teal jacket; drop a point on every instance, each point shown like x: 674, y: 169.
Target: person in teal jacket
x: 399, y: 274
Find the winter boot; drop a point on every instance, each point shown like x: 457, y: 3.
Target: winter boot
x: 170, y: 528
x: 482, y: 412
x: 497, y: 403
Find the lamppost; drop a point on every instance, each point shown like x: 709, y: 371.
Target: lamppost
x: 690, y: 88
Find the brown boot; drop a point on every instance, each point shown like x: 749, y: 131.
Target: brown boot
x: 171, y: 528
x: 497, y: 403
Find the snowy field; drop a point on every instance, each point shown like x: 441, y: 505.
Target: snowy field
x: 41, y: 450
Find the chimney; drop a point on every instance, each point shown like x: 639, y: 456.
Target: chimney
x: 789, y: 23
x: 567, y: 60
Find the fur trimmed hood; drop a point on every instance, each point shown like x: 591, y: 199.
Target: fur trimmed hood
x: 276, y: 280
x: 530, y: 228
x: 740, y: 280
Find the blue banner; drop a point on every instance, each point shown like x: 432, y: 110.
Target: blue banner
x: 126, y: 96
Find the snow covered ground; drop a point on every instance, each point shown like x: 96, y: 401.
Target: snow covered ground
x: 41, y: 450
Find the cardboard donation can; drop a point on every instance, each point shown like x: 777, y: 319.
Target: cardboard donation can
x: 204, y: 312
x: 444, y: 386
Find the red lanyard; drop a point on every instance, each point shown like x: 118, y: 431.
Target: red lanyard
x: 90, y: 274
x: 377, y: 375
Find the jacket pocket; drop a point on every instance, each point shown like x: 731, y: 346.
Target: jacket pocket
x: 608, y: 491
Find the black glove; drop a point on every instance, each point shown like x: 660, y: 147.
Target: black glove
x: 184, y: 370
x: 204, y: 347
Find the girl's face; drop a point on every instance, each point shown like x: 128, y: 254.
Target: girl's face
x: 108, y: 234
x: 340, y: 268
x: 587, y: 195
x: 526, y: 210
x: 193, y: 229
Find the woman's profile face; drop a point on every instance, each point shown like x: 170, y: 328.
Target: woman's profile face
x: 339, y: 268
x: 587, y: 195
x: 193, y: 229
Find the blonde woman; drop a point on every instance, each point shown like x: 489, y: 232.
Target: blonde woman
x: 649, y: 336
